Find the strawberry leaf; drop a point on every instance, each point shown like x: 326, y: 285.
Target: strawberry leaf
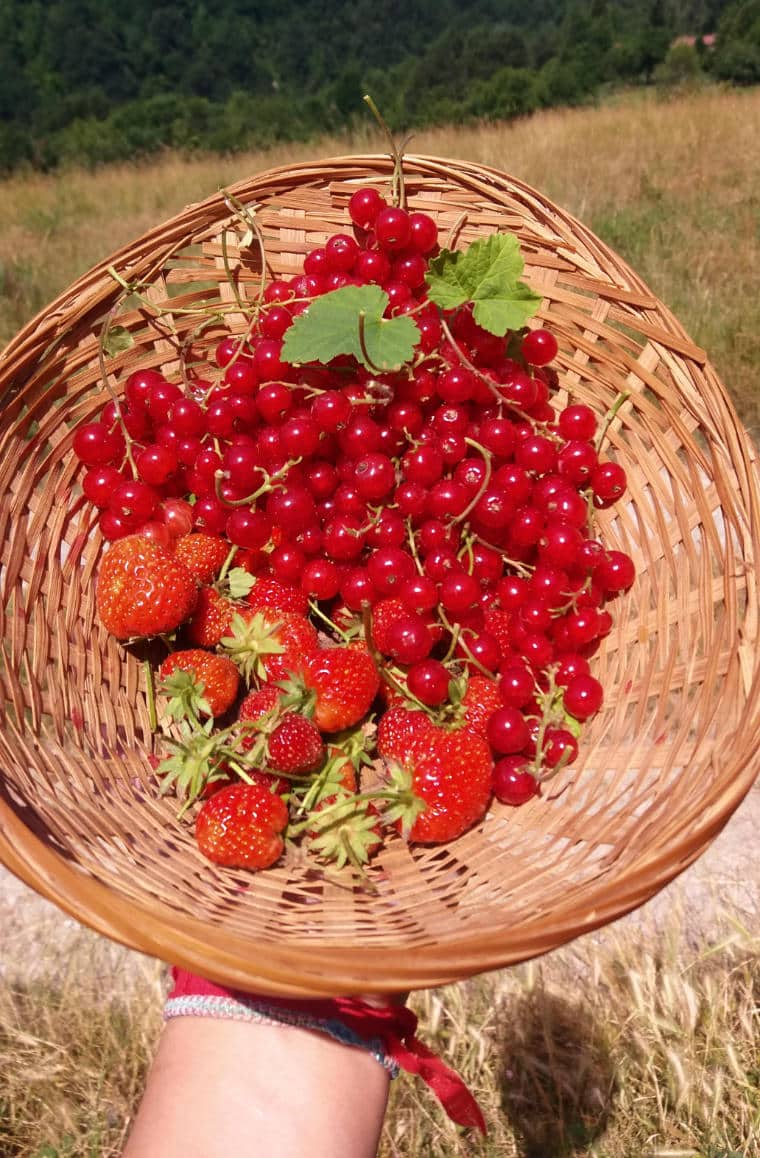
x: 240, y: 583
x: 350, y: 321
x: 487, y: 274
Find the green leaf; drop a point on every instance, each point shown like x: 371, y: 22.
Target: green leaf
x: 350, y: 321
x: 240, y: 583
x: 117, y: 340
x: 487, y: 274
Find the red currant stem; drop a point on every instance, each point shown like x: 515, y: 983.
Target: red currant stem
x: 467, y: 550
x: 523, y: 569
x: 452, y: 644
x: 117, y: 405
x: 231, y: 281
x: 622, y: 397
x: 132, y: 290
x: 483, y: 486
x: 317, y: 611
x: 471, y: 365
x: 150, y: 696
x: 548, y: 710
x: 268, y: 485
x: 461, y: 639
x: 227, y: 564
x: 363, y: 345
x: 249, y: 219
x: 413, y: 547
x: 398, y: 189
x: 381, y: 665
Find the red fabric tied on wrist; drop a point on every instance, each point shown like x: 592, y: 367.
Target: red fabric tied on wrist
x: 394, y: 1025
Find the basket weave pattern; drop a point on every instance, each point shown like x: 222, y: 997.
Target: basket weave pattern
x: 662, y: 766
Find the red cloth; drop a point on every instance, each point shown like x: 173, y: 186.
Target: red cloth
x: 394, y: 1025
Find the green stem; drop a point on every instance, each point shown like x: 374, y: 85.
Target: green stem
x: 398, y: 188
x: 104, y: 376
x: 610, y: 416
x: 150, y: 695
x: 483, y: 486
x: 451, y: 629
x: 317, y: 611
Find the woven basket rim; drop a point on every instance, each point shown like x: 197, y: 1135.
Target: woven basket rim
x: 137, y: 923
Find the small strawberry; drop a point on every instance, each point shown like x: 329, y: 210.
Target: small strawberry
x: 211, y: 680
x: 498, y: 623
x: 241, y: 826
x: 260, y: 703
x: 142, y: 590
x: 204, y: 555
x: 399, y: 730
x: 269, y: 594
x: 340, y: 684
x: 384, y: 614
x: 295, y: 746
x: 212, y: 618
x: 480, y: 701
x: 267, y: 645
x: 444, y: 786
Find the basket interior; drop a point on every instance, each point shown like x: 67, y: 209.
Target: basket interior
x: 661, y: 767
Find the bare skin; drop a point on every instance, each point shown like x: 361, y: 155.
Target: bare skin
x: 219, y: 1088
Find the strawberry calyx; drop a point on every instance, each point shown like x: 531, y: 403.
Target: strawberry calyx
x: 186, y: 699
x: 252, y: 638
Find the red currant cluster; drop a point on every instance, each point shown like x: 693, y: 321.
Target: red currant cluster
x: 449, y: 497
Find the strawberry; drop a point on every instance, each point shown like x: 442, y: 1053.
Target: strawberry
x: 213, y: 679
x: 295, y: 746
x: 204, y: 555
x: 480, y: 701
x: 384, y: 614
x: 269, y: 594
x: 267, y: 646
x: 498, y: 623
x: 398, y: 731
x: 444, y: 786
x: 142, y: 590
x: 212, y: 618
x: 241, y: 826
x: 343, y: 682
x: 259, y: 703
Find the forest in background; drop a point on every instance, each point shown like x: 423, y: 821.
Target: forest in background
x: 93, y: 81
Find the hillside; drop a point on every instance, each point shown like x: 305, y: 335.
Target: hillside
x: 650, y: 176
x: 96, y: 81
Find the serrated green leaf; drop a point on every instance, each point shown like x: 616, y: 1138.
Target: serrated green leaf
x: 240, y: 582
x: 350, y: 321
x: 117, y: 340
x: 487, y: 274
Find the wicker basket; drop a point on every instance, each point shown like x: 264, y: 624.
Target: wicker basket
x: 662, y: 767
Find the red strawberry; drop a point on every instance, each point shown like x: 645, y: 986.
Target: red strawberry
x: 212, y: 618
x: 203, y: 555
x: 399, y: 730
x: 241, y: 825
x: 384, y: 614
x: 344, y: 681
x: 480, y: 701
x: 269, y: 594
x: 450, y: 773
x: 498, y: 623
x: 218, y: 675
x: 259, y: 703
x: 295, y: 746
x: 142, y: 590
x: 268, y: 645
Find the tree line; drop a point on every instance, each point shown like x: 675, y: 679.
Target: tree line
x: 92, y: 81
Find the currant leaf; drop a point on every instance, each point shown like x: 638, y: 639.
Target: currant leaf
x: 350, y: 321
x: 117, y: 340
x: 487, y: 274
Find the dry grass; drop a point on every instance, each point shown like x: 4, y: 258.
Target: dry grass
x: 671, y: 184
x: 601, y: 1049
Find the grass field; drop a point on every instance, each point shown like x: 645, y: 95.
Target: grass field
x: 624, y: 1045
x: 672, y: 185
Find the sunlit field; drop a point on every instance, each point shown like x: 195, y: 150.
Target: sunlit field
x: 672, y: 185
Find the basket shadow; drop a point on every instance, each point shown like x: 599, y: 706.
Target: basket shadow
x: 555, y: 1073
